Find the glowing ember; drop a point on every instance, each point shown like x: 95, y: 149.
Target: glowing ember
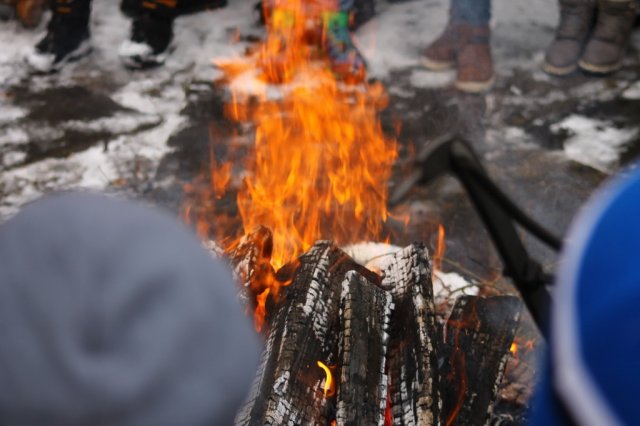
x: 329, y: 388
x: 521, y: 347
x: 388, y: 410
x: 514, y: 349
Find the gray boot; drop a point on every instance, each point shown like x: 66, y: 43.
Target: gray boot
x: 605, y: 50
x: 576, y: 21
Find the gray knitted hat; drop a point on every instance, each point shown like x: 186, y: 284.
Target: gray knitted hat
x: 112, y: 314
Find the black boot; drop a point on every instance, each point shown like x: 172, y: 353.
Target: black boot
x: 67, y: 39
x: 148, y: 46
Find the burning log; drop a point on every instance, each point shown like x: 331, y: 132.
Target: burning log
x: 306, y: 329
x: 378, y: 338
x: 365, y: 312
x: 413, y: 362
x: 287, y: 391
x: 251, y: 261
x: 479, y: 333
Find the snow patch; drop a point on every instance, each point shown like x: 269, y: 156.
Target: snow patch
x: 430, y: 79
x: 447, y: 283
x: 595, y: 143
x: 9, y: 113
x: 632, y: 92
x: 125, y: 122
x: 12, y: 158
x: 374, y: 256
x: 13, y: 136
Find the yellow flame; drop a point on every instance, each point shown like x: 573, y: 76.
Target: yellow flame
x: 328, y: 383
x: 514, y: 349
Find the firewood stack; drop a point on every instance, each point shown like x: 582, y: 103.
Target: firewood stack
x: 392, y: 360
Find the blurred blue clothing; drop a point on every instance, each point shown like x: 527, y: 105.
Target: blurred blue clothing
x: 474, y: 12
x: 595, y: 337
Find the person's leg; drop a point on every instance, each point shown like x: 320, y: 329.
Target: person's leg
x: 605, y: 50
x: 151, y: 33
x: 441, y: 54
x: 471, y: 12
x: 473, y: 44
x: 576, y: 23
x: 67, y: 36
x: 346, y: 61
x: 465, y: 44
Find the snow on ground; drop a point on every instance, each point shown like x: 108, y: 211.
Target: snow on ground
x: 150, y: 104
x: 154, y: 100
x: 596, y: 143
x: 632, y: 92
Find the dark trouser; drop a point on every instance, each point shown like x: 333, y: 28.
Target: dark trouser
x: 474, y: 12
x: 81, y: 9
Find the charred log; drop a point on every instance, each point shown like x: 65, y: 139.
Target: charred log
x: 478, y: 334
x: 365, y: 313
x: 306, y: 329
x: 413, y: 349
x: 392, y: 362
x: 250, y: 260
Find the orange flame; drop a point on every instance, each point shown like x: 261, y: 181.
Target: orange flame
x: 440, y: 248
x: 520, y: 346
x: 514, y: 349
x: 320, y: 162
x: 329, y: 387
x: 260, y: 312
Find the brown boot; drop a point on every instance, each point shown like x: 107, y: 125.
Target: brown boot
x: 605, y: 50
x: 440, y: 55
x: 475, y: 66
x: 576, y: 22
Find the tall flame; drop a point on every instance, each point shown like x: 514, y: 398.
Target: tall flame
x: 320, y: 160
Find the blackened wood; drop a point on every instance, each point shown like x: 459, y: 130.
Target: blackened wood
x: 305, y: 328
x: 478, y: 335
x: 413, y: 349
x: 365, y: 311
x: 251, y: 259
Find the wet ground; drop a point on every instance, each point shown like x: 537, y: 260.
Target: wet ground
x: 548, y: 142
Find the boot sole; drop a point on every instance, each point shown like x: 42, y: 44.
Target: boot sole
x: 84, y: 49
x: 433, y: 65
x: 475, y: 86
x: 599, y: 69
x: 143, y: 60
x: 559, y: 71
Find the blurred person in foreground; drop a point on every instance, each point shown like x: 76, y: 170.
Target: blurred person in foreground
x: 592, y: 35
x: 592, y: 371
x: 68, y: 33
x: 112, y: 314
x: 464, y: 45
